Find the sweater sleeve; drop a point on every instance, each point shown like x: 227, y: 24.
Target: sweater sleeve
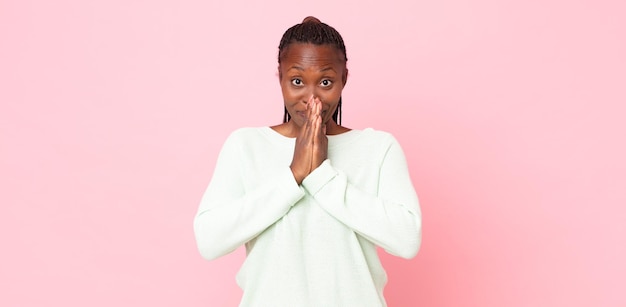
x: 229, y: 215
x: 390, y: 217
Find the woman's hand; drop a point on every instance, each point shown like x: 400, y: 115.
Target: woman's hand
x: 320, y: 141
x: 311, y: 144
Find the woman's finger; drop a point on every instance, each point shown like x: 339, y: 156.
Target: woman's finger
x: 318, y: 105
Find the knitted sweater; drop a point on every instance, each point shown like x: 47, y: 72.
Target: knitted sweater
x: 312, y: 244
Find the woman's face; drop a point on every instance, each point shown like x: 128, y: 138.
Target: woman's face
x: 311, y: 70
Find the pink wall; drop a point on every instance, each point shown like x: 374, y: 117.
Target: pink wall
x: 511, y: 114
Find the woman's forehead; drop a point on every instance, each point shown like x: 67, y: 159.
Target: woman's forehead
x: 310, y: 54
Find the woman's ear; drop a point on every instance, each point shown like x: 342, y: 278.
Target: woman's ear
x: 279, y: 74
x: 344, y: 77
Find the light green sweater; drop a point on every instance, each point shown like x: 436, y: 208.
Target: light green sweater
x: 313, y: 244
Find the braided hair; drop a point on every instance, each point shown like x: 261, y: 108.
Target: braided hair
x: 312, y: 31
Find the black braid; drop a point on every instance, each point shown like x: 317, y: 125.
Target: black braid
x: 313, y: 31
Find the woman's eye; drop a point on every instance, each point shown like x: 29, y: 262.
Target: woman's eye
x: 297, y: 82
x: 326, y: 83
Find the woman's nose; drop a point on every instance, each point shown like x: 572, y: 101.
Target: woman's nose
x: 308, y: 93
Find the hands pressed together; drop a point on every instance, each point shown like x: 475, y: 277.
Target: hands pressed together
x: 311, y: 144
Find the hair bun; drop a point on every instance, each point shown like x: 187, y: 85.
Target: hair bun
x: 311, y: 19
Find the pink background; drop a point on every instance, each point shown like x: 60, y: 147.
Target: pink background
x: 511, y: 114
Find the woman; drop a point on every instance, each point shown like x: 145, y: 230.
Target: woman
x: 309, y: 198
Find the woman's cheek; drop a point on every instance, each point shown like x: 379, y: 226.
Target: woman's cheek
x: 331, y: 96
x: 289, y: 93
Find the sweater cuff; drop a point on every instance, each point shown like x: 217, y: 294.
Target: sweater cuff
x: 319, y: 177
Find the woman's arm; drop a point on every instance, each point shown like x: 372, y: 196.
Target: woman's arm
x: 230, y: 216
x: 391, y: 218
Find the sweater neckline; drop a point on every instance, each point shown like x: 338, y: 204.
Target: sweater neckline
x: 333, y: 140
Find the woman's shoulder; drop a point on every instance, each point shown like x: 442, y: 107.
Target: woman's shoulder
x: 258, y: 136
x: 376, y: 135
x: 362, y: 138
x: 240, y: 136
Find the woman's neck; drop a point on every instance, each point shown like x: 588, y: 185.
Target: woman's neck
x: 290, y: 129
